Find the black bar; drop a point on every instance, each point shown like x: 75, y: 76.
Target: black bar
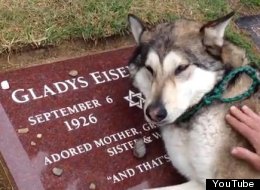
x: 232, y: 184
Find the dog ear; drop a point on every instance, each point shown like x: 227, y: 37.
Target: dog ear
x: 213, y: 33
x: 137, y: 27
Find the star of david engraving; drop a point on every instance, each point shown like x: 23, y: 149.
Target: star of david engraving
x: 135, y: 99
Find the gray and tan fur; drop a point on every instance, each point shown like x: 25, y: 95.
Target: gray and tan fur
x: 174, y: 66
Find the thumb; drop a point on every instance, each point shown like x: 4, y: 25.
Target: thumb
x: 245, y: 154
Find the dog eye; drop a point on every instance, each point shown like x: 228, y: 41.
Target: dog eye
x: 181, y: 68
x: 149, y: 69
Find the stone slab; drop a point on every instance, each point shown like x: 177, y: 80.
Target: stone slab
x: 76, y: 130
x: 252, y: 25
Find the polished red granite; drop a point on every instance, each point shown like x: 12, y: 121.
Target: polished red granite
x: 85, y: 125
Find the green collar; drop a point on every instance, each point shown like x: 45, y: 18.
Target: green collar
x: 217, y: 93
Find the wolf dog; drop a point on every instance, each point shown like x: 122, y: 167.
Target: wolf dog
x: 174, y: 66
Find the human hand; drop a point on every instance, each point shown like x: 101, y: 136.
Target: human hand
x: 247, y: 123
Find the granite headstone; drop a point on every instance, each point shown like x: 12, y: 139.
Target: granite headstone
x: 72, y: 125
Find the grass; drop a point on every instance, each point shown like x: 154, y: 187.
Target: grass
x: 208, y: 9
x: 37, y: 23
x: 251, y: 3
x: 45, y: 22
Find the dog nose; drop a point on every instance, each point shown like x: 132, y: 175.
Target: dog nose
x: 156, y: 112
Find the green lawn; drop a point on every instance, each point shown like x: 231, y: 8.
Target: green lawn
x: 37, y: 23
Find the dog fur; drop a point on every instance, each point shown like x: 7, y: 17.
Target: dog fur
x: 174, y: 66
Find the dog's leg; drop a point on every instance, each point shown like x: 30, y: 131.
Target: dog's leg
x: 191, y: 185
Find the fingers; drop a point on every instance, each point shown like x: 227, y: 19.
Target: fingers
x: 247, y: 123
x: 242, y: 116
x: 240, y: 127
x: 245, y: 154
x: 251, y: 113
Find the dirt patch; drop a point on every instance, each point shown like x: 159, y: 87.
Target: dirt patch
x: 242, y: 9
x: 66, y: 50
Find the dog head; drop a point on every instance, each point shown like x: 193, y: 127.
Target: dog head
x: 176, y: 64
